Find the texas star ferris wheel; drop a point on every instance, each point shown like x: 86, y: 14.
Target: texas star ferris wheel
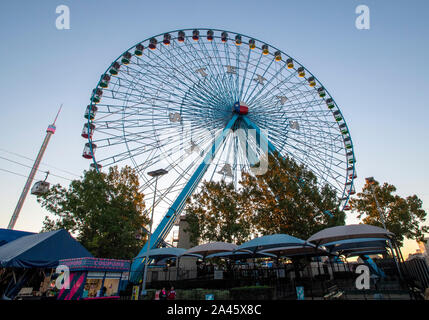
x: 188, y: 99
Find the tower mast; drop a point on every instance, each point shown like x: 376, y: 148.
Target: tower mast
x: 49, y: 132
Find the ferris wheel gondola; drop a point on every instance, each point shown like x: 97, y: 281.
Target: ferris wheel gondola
x: 41, y: 187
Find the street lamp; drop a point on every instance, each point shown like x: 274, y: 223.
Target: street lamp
x: 154, y: 174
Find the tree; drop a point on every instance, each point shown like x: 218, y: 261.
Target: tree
x: 402, y: 216
x: 287, y: 199
x: 104, y: 210
x: 215, y: 214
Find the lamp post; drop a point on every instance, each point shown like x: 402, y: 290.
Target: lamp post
x: 154, y: 174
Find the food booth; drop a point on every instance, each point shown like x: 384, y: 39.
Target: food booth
x: 94, y: 278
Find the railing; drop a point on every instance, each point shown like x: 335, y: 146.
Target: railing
x: 316, y: 280
x: 418, y: 271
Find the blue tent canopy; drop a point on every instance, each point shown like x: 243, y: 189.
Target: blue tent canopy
x: 238, y: 255
x: 161, y: 253
x: 8, y: 235
x: 41, y: 250
x: 330, y: 245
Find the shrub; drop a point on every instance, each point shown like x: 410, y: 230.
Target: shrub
x: 252, y: 293
x: 150, y: 294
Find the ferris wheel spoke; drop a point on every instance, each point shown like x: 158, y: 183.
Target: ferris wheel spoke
x: 253, y: 97
x: 252, y: 77
x: 148, y: 87
x: 272, y: 107
x: 305, y: 136
x: 244, y: 74
x: 218, y: 85
x: 276, y: 126
x: 314, y: 155
x: 290, y: 99
x: 299, y: 95
x: 192, y: 51
x: 191, y: 85
x: 308, y: 146
x: 213, y: 67
x: 262, y: 77
x: 237, y: 67
x: 217, y: 160
x: 183, y: 156
x: 226, y: 87
x: 180, y: 180
x: 160, y: 63
x: 233, y: 80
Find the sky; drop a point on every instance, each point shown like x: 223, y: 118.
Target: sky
x: 378, y: 77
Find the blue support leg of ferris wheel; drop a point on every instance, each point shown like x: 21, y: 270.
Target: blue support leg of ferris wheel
x: 167, y: 221
x: 259, y: 136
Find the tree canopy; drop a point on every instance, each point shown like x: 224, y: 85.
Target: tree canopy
x: 104, y: 210
x: 216, y: 214
x: 286, y: 199
x: 402, y: 216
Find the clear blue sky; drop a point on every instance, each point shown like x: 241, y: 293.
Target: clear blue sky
x: 378, y: 77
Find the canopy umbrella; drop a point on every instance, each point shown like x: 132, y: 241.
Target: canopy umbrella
x: 364, y: 252
x: 270, y: 241
x: 162, y: 253
x: 352, y: 242
x: 291, y: 251
x: 352, y: 231
x: 351, y: 245
x: 238, y: 255
x: 209, y: 248
x: 362, y: 247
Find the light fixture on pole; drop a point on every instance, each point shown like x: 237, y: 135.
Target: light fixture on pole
x: 154, y: 174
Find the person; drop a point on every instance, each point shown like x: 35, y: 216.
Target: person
x: 171, y: 294
x: 163, y: 294
x: 101, y: 292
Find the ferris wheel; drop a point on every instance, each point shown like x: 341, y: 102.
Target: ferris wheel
x: 189, y: 100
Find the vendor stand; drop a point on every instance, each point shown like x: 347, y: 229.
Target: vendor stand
x: 95, y: 278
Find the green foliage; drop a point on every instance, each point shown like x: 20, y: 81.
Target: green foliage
x: 402, y: 216
x: 252, y: 293
x: 150, y: 294
x: 216, y: 214
x: 104, y: 210
x: 200, y: 294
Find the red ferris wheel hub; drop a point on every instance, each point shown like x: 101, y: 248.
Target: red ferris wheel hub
x: 241, y: 108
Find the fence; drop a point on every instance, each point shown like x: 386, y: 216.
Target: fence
x: 317, y: 279
x: 417, y: 270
